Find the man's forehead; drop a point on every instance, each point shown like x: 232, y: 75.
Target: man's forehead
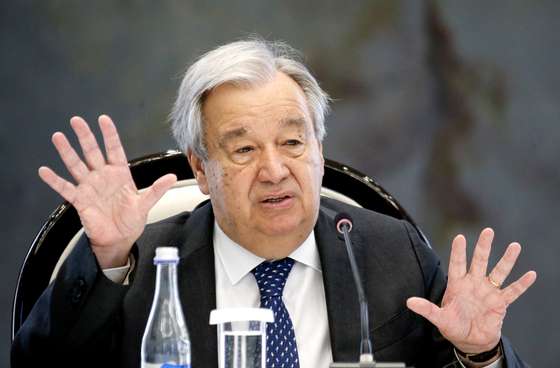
x: 279, y: 93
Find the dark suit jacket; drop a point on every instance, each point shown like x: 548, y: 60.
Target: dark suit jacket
x: 84, y: 319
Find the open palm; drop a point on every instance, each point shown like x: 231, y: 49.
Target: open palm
x: 474, y: 305
x: 112, y: 211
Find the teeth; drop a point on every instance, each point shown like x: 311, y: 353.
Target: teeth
x: 275, y: 199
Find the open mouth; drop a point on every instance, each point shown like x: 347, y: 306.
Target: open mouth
x: 276, y: 199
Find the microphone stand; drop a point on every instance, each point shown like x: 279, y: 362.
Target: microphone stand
x: 344, y: 226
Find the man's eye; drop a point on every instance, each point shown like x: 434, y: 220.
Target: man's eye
x: 245, y: 149
x: 293, y: 142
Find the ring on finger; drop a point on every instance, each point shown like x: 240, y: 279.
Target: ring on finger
x: 493, y: 282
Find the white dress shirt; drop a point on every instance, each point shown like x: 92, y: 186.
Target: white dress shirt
x: 304, y: 293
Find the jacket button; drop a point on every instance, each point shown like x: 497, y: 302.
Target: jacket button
x: 78, y: 290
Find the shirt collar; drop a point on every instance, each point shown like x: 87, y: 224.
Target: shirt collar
x: 238, y: 261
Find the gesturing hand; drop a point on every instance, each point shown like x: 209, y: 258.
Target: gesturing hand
x: 474, y: 305
x: 111, y: 210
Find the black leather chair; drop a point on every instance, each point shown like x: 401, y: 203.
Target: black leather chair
x: 57, y: 236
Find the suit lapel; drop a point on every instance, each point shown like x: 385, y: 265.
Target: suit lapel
x: 198, y: 285
x: 341, y: 295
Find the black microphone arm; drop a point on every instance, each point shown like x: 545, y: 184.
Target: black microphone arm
x: 343, y: 223
x: 344, y: 226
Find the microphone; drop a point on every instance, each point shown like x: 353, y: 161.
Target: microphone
x: 344, y: 225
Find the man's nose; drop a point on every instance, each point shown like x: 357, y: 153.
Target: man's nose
x: 272, y: 167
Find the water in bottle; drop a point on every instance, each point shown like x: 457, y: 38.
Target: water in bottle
x: 166, y: 342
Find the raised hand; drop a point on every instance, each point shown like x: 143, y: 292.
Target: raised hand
x: 474, y: 305
x: 111, y: 210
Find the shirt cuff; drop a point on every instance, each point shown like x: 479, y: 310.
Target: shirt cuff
x: 495, y: 364
x: 119, y: 275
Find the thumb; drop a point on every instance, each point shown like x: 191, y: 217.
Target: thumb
x: 426, y: 309
x: 154, y: 193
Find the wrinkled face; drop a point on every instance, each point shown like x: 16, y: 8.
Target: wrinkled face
x: 265, y: 165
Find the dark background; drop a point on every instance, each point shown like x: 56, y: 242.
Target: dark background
x: 450, y: 105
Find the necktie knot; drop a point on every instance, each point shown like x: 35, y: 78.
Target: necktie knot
x: 271, y: 277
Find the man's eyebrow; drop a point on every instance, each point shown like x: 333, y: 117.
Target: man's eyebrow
x: 293, y: 122
x: 231, y: 134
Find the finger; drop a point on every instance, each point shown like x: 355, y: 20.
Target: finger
x: 426, y: 309
x: 504, y: 266
x: 458, y: 258
x: 71, y: 160
x: 63, y: 187
x: 481, y: 253
x: 157, y: 190
x: 90, y: 148
x: 517, y: 288
x: 113, y: 146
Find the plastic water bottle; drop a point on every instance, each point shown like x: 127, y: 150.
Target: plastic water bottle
x: 166, y: 342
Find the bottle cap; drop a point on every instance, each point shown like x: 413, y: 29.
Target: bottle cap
x: 166, y: 254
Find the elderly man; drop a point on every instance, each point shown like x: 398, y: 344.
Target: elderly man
x: 250, y: 118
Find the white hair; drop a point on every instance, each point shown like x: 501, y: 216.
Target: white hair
x: 245, y: 62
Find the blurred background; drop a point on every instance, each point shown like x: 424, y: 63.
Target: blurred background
x: 453, y: 106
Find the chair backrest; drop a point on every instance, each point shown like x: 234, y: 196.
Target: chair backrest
x: 60, y: 232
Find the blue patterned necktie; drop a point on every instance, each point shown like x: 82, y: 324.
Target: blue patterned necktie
x: 281, y: 348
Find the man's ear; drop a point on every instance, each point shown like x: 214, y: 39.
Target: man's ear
x: 199, y: 172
